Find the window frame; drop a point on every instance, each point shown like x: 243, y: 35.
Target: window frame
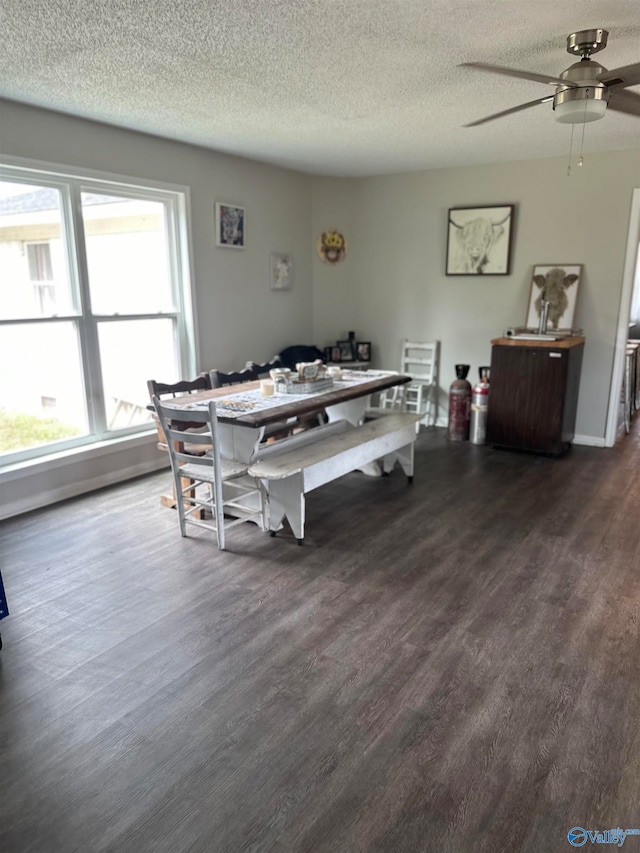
x: 72, y: 183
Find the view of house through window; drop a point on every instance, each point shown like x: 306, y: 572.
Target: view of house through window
x: 91, y: 307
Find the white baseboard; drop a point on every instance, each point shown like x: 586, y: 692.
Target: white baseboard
x: 590, y: 440
x: 72, y: 490
x: 586, y: 440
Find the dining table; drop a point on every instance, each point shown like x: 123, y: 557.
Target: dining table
x: 244, y: 413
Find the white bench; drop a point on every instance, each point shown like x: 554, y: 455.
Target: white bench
x: 287, y: 476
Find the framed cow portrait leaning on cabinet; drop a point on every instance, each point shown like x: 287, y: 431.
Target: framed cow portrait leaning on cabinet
x: 556, y: 284
x: 479, y: 240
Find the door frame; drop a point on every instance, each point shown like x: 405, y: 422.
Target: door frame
x: 623, y: 319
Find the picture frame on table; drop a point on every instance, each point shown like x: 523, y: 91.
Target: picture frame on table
x: 363, y: 351
x: 346, y: 350
x: 479, y: 240
x: 559, y: 285
x: 336, y: 354
x: 230, y: 225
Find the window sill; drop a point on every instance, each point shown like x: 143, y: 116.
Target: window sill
x: 19, y: 470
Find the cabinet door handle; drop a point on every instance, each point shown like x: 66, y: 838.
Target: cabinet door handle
x: 555, y: 355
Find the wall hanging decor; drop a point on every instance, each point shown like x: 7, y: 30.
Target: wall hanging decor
x: 558, y: 285
x: 331, y: 247
x: 479, y: 240
x: 230, y: 225
x: 280, y: 271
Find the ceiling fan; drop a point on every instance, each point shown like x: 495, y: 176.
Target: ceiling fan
x: 584, y: 90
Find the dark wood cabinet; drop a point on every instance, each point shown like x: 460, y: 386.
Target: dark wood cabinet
x: 534, y: 394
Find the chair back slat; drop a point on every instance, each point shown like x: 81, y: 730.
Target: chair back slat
x: 219, y: 379
x: 198, y: 479
x: 189, y: 418
x: 184, y: 386
x: 262, y: 369
x: 420, y: 360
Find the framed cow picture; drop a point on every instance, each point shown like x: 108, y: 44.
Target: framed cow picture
x: 479, y: 240
x: 557, y: 284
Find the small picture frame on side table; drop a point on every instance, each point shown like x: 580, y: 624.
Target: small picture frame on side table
x: 346, y: 350
x: 336, y: 354
x: 363, y: 351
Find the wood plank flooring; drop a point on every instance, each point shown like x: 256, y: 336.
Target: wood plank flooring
x: 448, y: 666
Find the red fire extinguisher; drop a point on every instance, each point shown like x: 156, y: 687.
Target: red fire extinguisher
x: 480, y: 407
x: 459, y: 405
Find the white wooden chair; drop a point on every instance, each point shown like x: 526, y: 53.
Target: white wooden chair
x: 207, y: 474
x: 389, y: 400
x: 420, y: 361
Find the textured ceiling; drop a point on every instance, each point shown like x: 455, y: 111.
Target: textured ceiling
x: 338, y: 87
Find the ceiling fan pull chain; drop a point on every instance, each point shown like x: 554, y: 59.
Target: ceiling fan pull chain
x: 570, y: 150
x: 584, y: 121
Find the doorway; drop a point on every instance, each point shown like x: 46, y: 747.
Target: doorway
x: 630, y: 297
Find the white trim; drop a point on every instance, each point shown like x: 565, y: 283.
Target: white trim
x: 623, y: 320
x: 72, y: 490
x: 176, y: 199
x: 57, y: 170
x: 590, y: 440
x: 41, y: 464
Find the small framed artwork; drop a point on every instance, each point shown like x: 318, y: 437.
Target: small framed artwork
x: 280, y: 271
x: 336, y: 354
x: 479, y: 240
x: 558, y: 285
x: 363, y: 351
x: 230, y: 225
x: 346, y: 350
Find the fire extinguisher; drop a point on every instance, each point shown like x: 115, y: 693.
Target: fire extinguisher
x: 459, y: 405
x: 480, y: 407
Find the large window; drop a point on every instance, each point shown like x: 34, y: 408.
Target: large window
x: 94, y: 301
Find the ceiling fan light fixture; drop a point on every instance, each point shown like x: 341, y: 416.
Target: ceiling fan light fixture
x: 579, y: 112
x: 582, y: 90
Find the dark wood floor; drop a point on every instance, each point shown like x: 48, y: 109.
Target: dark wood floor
x: 452, y: 666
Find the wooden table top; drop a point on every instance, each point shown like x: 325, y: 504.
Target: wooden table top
x: 293, y: 405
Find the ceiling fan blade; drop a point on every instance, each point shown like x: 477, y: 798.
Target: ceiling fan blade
x: 513, y: 72
x: 626, y: 75
x: 509, y: 111
x: 624, y: 102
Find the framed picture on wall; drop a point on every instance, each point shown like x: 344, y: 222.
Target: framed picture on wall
x: 558, y: 285
x: 280, y: 271
x: 230, y: 225
x: 479, y: 240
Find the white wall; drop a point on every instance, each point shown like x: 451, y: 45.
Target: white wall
x: 335, y: 293
x: 397, y: 287
x: 237, y: 316
x: 392, y: 284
